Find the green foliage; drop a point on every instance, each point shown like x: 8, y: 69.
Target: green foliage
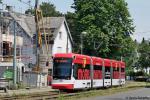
x: 130, y: 73
x: 48, y: 10
x: 140, y: 73
x: 108, y: 24
x: 0, y: 1
x: 143, y: 49
x: 70, y: 17
x: 29, y: 11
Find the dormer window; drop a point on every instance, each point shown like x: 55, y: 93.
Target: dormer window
x: 60, y: 35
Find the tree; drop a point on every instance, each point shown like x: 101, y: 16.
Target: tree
x: 29, y: 11
x: 48, y: 10
x: 108, y: 24
x: 0, y: 1
x: 144, y: 50
x: 71, y: 21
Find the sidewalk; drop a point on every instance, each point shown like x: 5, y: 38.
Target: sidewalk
x: 26, y: 91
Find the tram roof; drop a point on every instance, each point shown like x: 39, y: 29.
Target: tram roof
x: 96, y: 60
x: 70, y: 55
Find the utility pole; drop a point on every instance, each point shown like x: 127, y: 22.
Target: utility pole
x: 67, y: 44
x: 81, y: 37
x: 38, y: 38
x: 37, y: 33
x: 14, y: 57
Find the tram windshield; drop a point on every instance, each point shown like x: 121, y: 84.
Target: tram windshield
x: 62, y: 68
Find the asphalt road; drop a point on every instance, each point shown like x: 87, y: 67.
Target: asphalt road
x: 139, y: 94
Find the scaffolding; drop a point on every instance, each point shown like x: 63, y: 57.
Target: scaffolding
x: 6, y: 37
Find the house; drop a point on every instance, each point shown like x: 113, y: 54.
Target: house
x: 58, y: 35
x: 57, y: 32
x: 7, y: 38
x: 58, y: 29
x: 10, y: 24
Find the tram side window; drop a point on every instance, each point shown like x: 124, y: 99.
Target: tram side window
x: 107, y: 72
x: 116, y: 69
x: 122, y: 73
x: 80, y: 72
x: 122, y: 70
x: 75, y: 70
x: 115, y: 73
x: 97, y: 72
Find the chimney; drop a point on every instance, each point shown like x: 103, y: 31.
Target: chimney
x: 9, y: 8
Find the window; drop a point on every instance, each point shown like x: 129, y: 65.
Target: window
x: 52, y: 30
x: 6, y: 48
x: 122, y: 69
x: 49, y: 71
x: 62, y: 68
x: 22, y: 68
x: 18, y: 51
x: 122, y: 73
x: 116, y: 69
x: 107, y: 72
x: 81, y: 73
x: 60, y: 35
x: 59, y: 49
x: 97, y: 72
x: 115, y: 72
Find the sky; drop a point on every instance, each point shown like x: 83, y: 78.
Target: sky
x: 139, y: 10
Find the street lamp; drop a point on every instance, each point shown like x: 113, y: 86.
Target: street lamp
x: 81, y: 37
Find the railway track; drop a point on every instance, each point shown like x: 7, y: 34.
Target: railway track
x: 51, y: 95
x: 39, y: 96
x: 32, y: 96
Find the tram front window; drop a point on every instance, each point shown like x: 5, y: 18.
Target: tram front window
x: 62, y: 68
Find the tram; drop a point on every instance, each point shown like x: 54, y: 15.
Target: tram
x: 75, y: 71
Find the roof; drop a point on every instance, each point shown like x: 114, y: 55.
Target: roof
x: 96, y: 60
x: 70, y: 55
x: 27, y: 22
x: 54, y: 23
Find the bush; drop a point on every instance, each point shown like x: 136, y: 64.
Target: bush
x: 140, y: 73
x: 130, y: 73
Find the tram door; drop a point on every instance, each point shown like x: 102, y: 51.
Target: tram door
x: 107, y: 78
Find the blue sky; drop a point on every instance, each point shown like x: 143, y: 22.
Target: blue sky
x: 139, y: 10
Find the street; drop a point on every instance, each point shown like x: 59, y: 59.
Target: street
x: 139, y: 94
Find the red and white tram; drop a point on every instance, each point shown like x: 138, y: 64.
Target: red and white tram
x: 76, y: 71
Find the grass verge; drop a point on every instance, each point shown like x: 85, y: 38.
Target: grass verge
x: 101, y: 92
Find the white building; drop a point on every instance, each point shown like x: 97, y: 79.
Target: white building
x: 60, y: 38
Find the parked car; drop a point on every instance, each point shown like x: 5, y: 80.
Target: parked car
x: 4, y: 84
x: 141, y: 78
x: 148, y: 80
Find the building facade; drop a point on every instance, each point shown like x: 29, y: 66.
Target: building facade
x: 59, y: 39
